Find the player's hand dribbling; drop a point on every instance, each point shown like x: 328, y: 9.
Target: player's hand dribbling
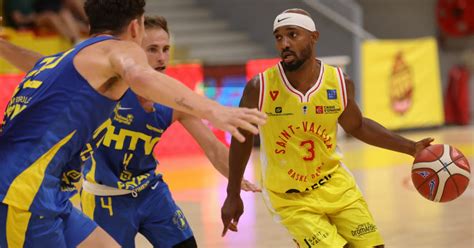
x: 231, y: 119
x: 422, y: 144
x: 231, y: 211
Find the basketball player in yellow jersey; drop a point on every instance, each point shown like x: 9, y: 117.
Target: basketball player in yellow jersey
x: 55, y: 110
x: 305, y: 185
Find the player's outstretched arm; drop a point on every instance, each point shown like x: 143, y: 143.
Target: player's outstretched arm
x: 372, y: 132
x: 215, y: 151
x: 21, y: 58
x: 239, y: 155
x: 130, y: 63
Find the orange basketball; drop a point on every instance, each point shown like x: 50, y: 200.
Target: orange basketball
x: 440, y: 173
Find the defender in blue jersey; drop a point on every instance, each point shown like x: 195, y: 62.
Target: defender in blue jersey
x: 125, y: 152
x: 42, y: 130
x: 121, y: 190
x: 54, y: 112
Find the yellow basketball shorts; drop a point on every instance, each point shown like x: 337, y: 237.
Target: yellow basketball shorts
x: 332, y: 215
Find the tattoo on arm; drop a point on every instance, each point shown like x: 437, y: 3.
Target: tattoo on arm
x: 180, y: 101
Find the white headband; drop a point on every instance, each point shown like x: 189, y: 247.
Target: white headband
x: 294, y: 19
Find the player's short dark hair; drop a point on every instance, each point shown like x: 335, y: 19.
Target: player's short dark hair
x: 152, y: 22
x: 112, y: 16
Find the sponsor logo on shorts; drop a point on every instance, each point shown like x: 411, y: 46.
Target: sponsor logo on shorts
x: 363, y: 229
x: 179, y: 220
x: 315, y: 239
x: 68, y: 180
x: 156, y: 185
x: 317, y: 185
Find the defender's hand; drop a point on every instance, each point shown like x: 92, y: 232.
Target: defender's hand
x: 231, y: 119
x: 249, y: 187
x: 231, y: 211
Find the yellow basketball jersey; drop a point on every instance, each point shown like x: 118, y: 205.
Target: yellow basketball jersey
x: 298, y: 142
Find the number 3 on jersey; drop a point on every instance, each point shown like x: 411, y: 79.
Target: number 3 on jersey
x: 309, y: 146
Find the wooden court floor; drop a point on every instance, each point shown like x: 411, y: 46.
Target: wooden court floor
x: 404, y: 218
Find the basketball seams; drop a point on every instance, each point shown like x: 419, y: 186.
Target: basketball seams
x: 454, y: 150
x: 443, y: 179
x: 428, y: 165
x: 459, y: 170
x: 448, y: 157
x: 444, y: 182
x: 444, y: 192
x: 458, y: 189
x: 414, y: 170
x: 434, y: 177
x: 464, y: 174
x: 429, y: 150
x: 434, y: 154
x: 440, y: 182
x: 460, y: 167
x: 438, y: 172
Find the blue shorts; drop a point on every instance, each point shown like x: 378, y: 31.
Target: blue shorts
x: 20, y: 228
x: 152, y: 213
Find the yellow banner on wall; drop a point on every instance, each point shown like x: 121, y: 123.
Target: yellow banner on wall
x: 401, y: 83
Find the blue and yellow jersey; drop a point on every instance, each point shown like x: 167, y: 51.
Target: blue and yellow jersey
x: 299, y: 140
x: 121, y: 155
x: 49, y: 119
